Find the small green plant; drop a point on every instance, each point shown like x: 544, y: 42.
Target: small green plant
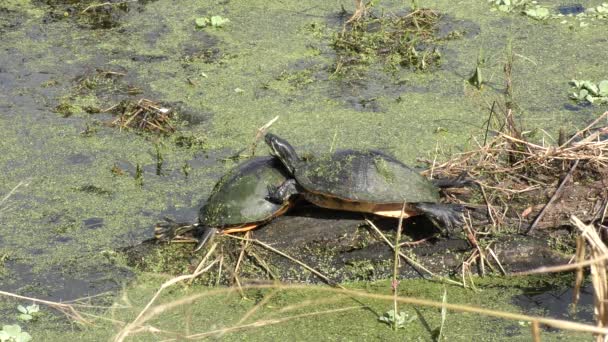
x: 13, y: 333
x: 537, y: 12
x: 29, y: 312
x: 590, y: 91
x: 214, y: 21
x: 477, y: 79
x: 139, y: 175
x: 400, y: 320
x: 508, y: 5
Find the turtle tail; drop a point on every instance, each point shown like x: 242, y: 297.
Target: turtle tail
x: 168, y: 229
x: 207, y: 234
x: 448, y: 214
x: 458, y: 182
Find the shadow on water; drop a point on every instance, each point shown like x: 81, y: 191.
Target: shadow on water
x: 555, y: 301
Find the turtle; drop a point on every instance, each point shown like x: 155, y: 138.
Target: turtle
x: 237, y: 203
x: 364, y: 181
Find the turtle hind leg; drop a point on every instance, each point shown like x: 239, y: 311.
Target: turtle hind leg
x: 282, y: 193
x: 448, y: 214
x: 169, y: 229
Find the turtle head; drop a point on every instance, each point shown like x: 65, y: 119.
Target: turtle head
x: 281, y: 149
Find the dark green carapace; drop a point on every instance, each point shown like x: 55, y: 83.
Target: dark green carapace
x: 366, y: 176
x: 239, y: 197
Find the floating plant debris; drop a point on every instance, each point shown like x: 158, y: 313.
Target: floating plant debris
x: 145, y: 115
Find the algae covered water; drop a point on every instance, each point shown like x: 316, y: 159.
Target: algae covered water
x: 86, y: 185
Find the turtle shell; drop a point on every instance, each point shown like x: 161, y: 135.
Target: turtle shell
x: 365, y: 177
x: 239, y: 197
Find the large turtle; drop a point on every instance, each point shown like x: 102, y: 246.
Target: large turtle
x: 363, y: 181
x: 237, y: 203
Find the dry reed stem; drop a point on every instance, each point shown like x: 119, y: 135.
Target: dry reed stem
x: 562, y: 268
x: 256, y: 307
x: 106, y: 4
x: 260, y: 133
x: 267, y: 322
x: 556, y: 323
x: 238, y: 263
x: 604, y: 115
x: 128, y: 329
x: 599, y: 277
x: 201, y: 264
x: 360, y: 11
x: 535, y: 331
x: 556, y: 194
x: 396, y: 246
x: 496, y: 259
x: 10, y: 193
x: 579, y: 256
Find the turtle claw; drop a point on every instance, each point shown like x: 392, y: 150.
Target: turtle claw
x: 274, y: 195
x: 282, y: 193
x: 170, y: 229
x: 450, y: 215
x: 208, y: 234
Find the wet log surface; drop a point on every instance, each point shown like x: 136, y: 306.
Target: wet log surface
x: 343, y: 247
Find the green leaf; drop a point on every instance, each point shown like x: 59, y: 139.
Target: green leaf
x: 583, y: 94
x: 25, y: 317
x: 592, y: 87
x: 201, y: 22
x: 538, y: 13
x: 22, y: 309
x: 603, y: 88
x: 33, y: 308
x: 4, y: 336
x: 218, y: 21
x: 12, y: 330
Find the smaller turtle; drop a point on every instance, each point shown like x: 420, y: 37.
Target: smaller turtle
x: 237, y: 203
x: 362, y: 181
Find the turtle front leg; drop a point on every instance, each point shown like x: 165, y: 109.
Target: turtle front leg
x: 281, y: 194
x: 450, y: 215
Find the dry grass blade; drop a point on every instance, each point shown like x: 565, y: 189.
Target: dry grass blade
x: 106, y: 4
x: 261, y: 132
x: 10, y: 193
x: 556, y: 195
x: 360, y: 12
x: 580, y: 256
x: 535, y: 331
x: 396, y: 246
x: 140, y: 319
x: 262, y: 323
x: 556, y: 323
x: 599, y: 277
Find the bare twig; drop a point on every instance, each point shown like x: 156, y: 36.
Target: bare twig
x: 410, y: 260
x: 556, y: 195
x: 312, y: 270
